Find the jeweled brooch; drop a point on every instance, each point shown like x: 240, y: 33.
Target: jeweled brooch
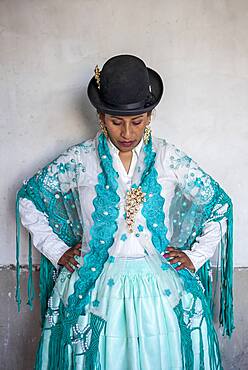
x: 134, y: 198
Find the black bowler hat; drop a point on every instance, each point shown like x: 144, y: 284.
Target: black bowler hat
x: 125, y: 86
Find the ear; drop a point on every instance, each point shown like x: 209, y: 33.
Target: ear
x: 149, y: 116
x: 101, y: 116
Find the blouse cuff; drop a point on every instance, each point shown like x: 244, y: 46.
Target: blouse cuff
x: 197, y: 258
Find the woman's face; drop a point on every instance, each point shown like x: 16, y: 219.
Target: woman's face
x: 125, y: 132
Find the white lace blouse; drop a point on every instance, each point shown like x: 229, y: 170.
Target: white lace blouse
x: 48, y: 243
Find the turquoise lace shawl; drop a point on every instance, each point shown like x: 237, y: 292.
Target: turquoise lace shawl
x: 197, y: 199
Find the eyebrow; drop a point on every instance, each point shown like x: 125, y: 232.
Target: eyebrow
x: 121, y: 117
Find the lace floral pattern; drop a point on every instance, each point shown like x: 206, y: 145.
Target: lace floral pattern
x: 197, y: 198
x: 105, y: 216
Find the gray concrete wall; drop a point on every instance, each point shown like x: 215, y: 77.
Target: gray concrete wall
x: 19, y: 332
x: 48, y: 51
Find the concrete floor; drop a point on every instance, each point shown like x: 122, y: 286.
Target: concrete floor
x: 19, y: 333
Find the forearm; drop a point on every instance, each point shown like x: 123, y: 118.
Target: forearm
x: 205, y: 245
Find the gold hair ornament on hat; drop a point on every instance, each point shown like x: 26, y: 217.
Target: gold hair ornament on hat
x: 97, y: 76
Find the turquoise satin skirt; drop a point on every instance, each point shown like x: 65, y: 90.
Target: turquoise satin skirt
x: 141, y: 328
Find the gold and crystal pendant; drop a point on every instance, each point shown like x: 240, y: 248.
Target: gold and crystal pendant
x: 134, y: 198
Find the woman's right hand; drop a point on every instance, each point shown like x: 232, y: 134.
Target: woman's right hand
x: 68, y: 257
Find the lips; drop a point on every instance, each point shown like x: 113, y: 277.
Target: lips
x: 126, y: 143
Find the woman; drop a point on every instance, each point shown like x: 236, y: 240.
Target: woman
x: 129, y: 223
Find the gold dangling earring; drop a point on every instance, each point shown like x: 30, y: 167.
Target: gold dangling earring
x: 147, y: 133
x: 103, y: 128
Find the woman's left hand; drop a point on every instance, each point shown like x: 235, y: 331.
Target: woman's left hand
x: 178, y: 255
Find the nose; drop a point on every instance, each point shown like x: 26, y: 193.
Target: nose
x: 126, y: 131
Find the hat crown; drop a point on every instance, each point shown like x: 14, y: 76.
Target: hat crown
x: 125, y: 86
x: 124, y: 80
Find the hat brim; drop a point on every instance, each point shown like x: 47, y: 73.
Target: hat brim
x: 95, y: 99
